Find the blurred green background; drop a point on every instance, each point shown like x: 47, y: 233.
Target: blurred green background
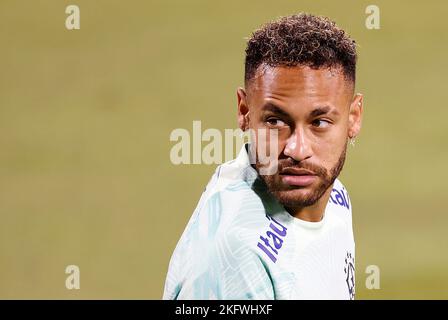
x: 85, y: 175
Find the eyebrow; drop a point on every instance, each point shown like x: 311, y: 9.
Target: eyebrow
x: 319, y: 111
x: 275, y: 109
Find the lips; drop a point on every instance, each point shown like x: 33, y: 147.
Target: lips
x: 297, y: 172
x: 297, y: 177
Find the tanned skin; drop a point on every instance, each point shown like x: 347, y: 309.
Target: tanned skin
x: 315, y: 112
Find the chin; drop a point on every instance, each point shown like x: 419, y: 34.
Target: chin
x: 302, y: 197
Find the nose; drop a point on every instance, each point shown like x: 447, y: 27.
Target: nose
x: 298, y: 146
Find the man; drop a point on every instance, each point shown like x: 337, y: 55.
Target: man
x: 287, y: 233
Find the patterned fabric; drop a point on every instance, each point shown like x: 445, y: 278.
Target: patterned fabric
x: 240, y: 243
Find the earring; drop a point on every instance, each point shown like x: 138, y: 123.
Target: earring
x: 352, y: 141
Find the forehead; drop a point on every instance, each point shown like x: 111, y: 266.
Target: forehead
x: 300, y: 85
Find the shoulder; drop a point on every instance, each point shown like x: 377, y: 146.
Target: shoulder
x: 340, y: 198
x: 216, y: 250
x: 339, y: 205
x: 228, y: 195
x: 216, y: 260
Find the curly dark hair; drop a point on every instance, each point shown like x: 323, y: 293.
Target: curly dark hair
x: 301, y: 39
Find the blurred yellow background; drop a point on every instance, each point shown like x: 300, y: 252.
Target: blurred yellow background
x: 85, y: 173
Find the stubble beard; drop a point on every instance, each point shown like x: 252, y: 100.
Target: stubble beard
x: 300, y: 197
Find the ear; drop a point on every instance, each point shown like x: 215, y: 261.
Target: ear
x: 355, y: 115
x: 243, y: 109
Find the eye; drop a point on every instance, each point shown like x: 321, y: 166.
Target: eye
x: 275, y: 122
x: 321, y: 123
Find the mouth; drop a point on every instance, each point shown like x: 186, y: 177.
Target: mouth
x: 297, y: 177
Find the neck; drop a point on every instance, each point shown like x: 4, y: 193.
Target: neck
x: 315, y: 212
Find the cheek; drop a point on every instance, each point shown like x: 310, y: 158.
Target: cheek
x: 329, y: 150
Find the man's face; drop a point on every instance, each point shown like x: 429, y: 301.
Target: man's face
x: 314, y: 113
